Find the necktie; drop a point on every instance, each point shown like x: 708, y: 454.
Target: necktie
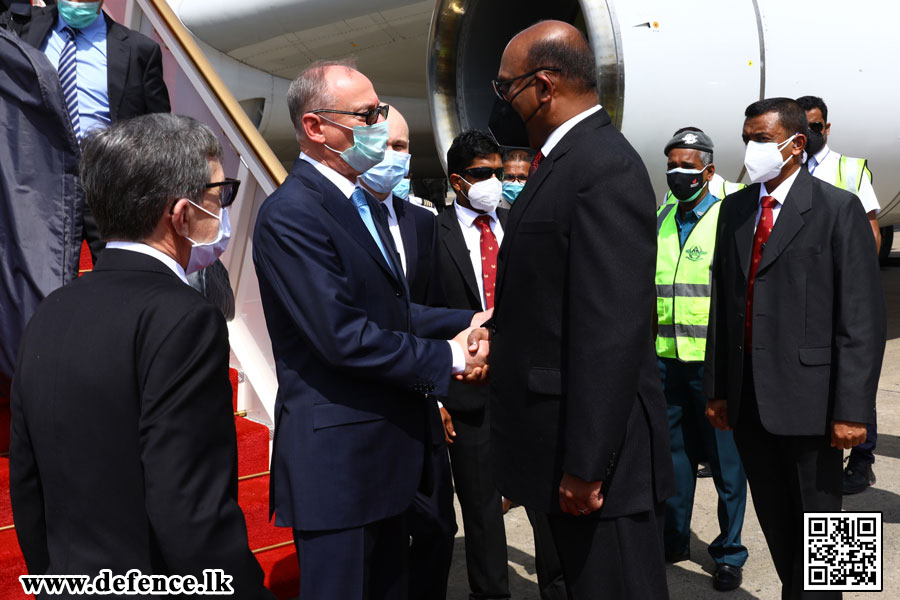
x: 763, y: 230
x: 811, y: 163
x: 489, y: 252
x: 535, y: 163
x: 359, y: 201
x: 68, y: 80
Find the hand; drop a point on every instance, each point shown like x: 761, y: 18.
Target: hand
x: 477, y: 335
x: 479, y: 318
x: 476, y: 353
x: 846, y: 434
x: 578, y: 497
x: 447, y: 420
x: 717, y: 413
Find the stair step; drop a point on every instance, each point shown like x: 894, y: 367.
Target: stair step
x: 282, y: 571
x: 6, y: 518
x: 253, y: 446
x: 11, y: 566
x: 253, y: 496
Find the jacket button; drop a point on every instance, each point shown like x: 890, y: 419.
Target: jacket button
x: 740, y: 348
x: 397, y: 293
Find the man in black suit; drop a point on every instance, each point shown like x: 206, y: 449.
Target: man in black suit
x: 123, y: 451
x: 431, y: 518
x: 579, y: 426
x: 357, y: 361
x: 119, y: 72
x: 796, y: 332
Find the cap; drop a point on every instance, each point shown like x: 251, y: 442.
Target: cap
x: 696, y: 140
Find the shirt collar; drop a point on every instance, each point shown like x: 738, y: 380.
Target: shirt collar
x: 389, y: 203
x: 151, y: 251
x: 343, y: 184
x: 94, y: 31
x: 821, y: 154
x: 558, y: 133
x: 698, y: 211
x: 781, y: 192
x: 467, y: 216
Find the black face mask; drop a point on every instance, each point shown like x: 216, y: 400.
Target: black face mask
x: 685, y: 186
x: 507, y: 126
x: 814, y: 142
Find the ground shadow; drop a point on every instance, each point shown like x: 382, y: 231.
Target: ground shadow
x: 875, y: 500
x: 888, y: 446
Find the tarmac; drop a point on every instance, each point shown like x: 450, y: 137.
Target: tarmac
x: 692, y: 579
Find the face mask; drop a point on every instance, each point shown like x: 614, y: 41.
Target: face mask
x: 78, y: 15
x: 814, y: 142
x: 505, y: 124
x: 203, y: 254
x: 401, y: 190
x: 686, y: 184
x: 484, y: 195
x: 369, y: 145
x: 511, y: 190
x: 384, y: 176
x: 763, y: 160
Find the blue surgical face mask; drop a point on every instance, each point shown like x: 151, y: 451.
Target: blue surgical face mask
x: 401, y: 190
x: 511, y: 190
x: 383, y: 177
x: 369, y: 145
x: 78, y: 15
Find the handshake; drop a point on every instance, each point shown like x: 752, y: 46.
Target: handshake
x: 475, y: 342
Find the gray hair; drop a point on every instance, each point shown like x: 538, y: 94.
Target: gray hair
x: 133, y: 171
x: 310, y: 91
x: 705, y: 157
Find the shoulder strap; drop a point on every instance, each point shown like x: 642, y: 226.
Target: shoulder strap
x: 663, y: 213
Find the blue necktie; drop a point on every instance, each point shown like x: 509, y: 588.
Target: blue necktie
x: 359, y: 201
x: 68, y: 80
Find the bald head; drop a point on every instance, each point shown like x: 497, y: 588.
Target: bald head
x: 398, y: 131
x: 556, y: 45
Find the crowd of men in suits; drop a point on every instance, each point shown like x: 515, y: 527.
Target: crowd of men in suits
x: 521, y: 339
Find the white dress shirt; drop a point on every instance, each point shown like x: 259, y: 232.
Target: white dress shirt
x: 779, y: 193
x: 151, y: 251
x: 824, y: 166
x: 558, y: 133
x: 472, y: 236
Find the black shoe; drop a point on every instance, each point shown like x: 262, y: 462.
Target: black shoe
x: 857, y: 477
x: 727, y: 577
x: 674, y: 557
x: 704, y: 470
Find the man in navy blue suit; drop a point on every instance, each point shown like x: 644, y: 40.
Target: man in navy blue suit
x: 356, y: 359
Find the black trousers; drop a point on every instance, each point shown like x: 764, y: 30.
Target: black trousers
x: 788, y: 475
x: 619, y: 558
x: 480, y: 503
x: 551, y: 583
x: 361, y: 563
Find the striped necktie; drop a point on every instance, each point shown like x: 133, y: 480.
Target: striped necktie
x: 69, y: 81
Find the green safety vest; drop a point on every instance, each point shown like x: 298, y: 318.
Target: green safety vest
x: 683, y: 283
x: 850, y: 173
x: 719, y: 191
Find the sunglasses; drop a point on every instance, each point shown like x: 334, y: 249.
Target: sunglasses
x: 484, y: 173
x: 371, y: 115
x: 517, y: 178
x: 501, y: 86
x: 229, y: 190
x: 817, y: 126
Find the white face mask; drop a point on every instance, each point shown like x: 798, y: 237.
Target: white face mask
x: 763, y: 159
x: 484, y: 195
x: 203, y: 254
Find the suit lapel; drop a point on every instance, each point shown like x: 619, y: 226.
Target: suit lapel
x: 38, y: 27
x: 746, y: 226
x: 459, y: 252
x: 408, y: 235
x: 117, y: 61
x: 790, y: 221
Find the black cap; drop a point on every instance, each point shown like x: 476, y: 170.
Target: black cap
x: 694, y: 139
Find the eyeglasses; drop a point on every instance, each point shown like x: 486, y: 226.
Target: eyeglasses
x: 484, y: 172
x: 516, y: 178
x: 817, y: 126
x: 229, y: 190
x: 371, y: 115
x: 501, y: 86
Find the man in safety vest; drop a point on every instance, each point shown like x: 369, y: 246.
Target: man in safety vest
x: 686, y: 230
x: 718, y: 186
x: 853, y: 175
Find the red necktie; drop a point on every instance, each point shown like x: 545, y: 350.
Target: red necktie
x: 535, y: 163
x: 763, y: 229
x: 489, y: 251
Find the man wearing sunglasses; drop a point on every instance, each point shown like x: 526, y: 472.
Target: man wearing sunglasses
x: 579, y: 427
x: 358, y: 363
x: 123, y: 449
x: 853, y: 175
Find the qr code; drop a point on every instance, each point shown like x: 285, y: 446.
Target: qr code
x: 843, y: 551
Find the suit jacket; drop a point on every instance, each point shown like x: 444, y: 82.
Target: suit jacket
x: 573, y: 362
x: 419, y: 233
x: 819, y: 321
x: 134, y: 65
x: 354, y: 359
x: 123, y: 450
x: 461, y: 291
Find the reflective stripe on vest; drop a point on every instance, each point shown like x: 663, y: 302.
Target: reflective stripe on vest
x: 850, y: 173
x: 719, y: 191
x: 683, y: 284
